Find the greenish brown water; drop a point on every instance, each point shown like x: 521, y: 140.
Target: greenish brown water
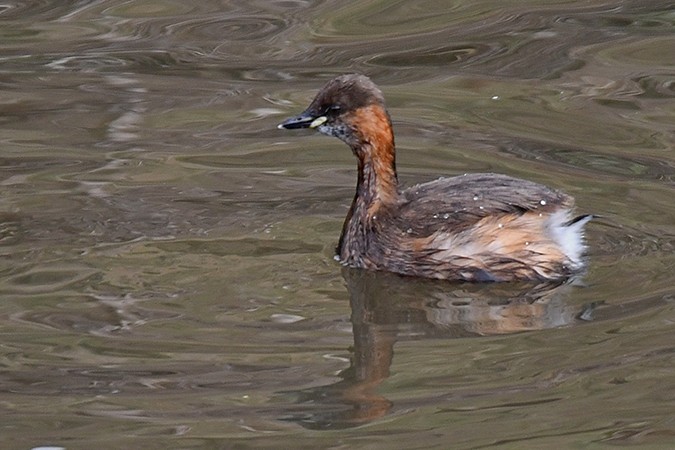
x: 166, y: 268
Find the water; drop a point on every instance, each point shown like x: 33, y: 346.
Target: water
x: 167, y: 278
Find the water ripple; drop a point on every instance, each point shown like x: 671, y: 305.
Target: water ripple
x: 237, y: 28
x: 656, y: 86
x: 439, y: 56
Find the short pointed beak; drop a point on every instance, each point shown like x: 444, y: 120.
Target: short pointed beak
x: 304, y: 120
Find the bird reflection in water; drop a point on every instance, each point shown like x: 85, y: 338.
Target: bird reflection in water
x: 387, y: 308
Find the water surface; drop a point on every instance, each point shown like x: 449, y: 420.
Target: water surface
x: 167, y: 278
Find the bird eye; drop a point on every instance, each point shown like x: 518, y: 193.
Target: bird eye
x: 332, y: 109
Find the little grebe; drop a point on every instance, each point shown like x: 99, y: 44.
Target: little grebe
x: 476, y: 227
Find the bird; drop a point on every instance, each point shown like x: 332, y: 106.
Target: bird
x: 478, y: 227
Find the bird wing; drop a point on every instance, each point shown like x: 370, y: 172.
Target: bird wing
x: 459, y: 202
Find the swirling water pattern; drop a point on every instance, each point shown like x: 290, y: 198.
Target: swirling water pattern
x: 167, y: 275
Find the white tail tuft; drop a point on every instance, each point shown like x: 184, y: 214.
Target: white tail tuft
x: 569, y: 234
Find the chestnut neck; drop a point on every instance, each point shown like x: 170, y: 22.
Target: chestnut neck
x: 377, y: 182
